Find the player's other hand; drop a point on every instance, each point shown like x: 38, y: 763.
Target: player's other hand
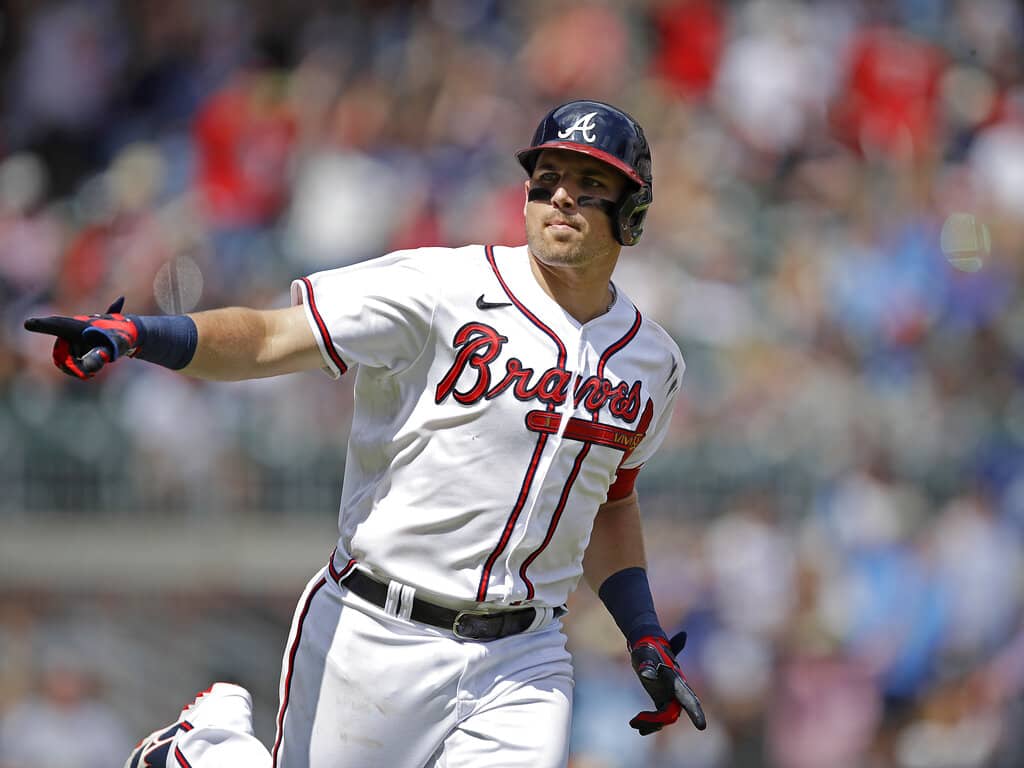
x: 85, y: 343
x: 654, y: 661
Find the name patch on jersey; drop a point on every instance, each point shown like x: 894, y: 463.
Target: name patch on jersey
x: 586, y: 431
x: 477, y: 347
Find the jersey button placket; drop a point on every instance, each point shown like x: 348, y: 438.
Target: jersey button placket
x: 527, y: 540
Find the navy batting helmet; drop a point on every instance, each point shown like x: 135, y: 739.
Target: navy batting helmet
x: 610, y: 135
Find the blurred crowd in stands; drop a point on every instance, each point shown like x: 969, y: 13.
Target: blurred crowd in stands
x: 836, y: 243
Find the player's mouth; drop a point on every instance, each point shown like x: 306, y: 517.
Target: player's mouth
x: 560, y: 225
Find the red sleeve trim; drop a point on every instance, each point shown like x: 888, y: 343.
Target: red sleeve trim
x: 625, y: 479
x: 325, y: 334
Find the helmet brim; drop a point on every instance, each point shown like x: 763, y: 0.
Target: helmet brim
x: 528, y: 158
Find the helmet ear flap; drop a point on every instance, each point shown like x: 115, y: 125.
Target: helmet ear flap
x: 631, y: 214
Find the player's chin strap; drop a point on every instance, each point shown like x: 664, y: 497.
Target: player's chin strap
x: 542, y: 194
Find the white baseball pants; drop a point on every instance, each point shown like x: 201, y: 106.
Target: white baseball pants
x: 362, y: 688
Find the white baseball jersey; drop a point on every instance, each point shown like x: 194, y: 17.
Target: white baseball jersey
x: 489, y: 424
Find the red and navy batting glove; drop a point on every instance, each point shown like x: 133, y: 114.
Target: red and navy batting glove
x: 654, y: 661
x: 85, y: 343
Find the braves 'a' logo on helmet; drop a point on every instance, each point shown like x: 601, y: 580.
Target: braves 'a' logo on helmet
x: 585, y: 125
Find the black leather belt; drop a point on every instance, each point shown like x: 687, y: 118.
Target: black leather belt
x: 468, y: 625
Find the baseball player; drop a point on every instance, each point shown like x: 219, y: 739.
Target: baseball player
x: 505, y: 400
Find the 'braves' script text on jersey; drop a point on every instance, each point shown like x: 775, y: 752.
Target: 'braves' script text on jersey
x: 464, y: 361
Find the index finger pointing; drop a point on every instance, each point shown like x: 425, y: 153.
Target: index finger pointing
x: 55, y: 325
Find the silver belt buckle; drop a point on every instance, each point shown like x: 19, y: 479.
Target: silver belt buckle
x: 458, y: 620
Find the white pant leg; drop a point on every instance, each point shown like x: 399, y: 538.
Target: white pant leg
x: 215, y: 731
x: 218, y: 748
x: 523, y: 712
x: 360, y: 688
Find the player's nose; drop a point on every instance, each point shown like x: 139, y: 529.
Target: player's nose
x: 563, y: 197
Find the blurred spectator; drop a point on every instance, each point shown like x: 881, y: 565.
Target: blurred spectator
x: 753, y: 568
x: 995, y: 175
x: 31, y: 233
x: 121, y: 242
x: 979, y: 562
x: 824, y: 711
x: 775, y: 77
x: 64, y: 724
x: 558, y: 57
x: 346, y: 207
x: 887, y: 107
x: 60, y: 84
x: 244, y: 134
x: 688, y: 46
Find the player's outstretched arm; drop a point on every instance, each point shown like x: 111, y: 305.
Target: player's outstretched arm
x: 615, y: 566
x: 238, y: 343
x: 226, y: 344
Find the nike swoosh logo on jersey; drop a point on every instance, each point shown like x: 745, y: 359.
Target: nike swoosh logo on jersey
x: 482, y: 304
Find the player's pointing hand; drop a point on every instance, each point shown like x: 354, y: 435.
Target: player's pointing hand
x: 85, y: 343
x: 654, y: 661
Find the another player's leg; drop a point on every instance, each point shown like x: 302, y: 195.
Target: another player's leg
x: 214, y: 731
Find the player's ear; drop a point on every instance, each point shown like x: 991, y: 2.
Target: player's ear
x: 526, y: 195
